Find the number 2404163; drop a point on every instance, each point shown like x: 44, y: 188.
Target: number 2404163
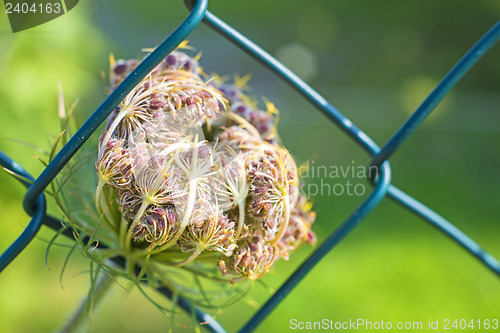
x: 26, y: 8
x: 462, y: 324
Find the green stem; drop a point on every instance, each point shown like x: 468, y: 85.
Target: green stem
x: 103, y: 206
x: 241, y: 218
x: 167, y: 256
x: 123, y: 232
x: 186, y: 261
x: 142, y: 209
x: 98, y: 193
x: 109, y: 218
x: 113, y: 126
x: 77, y: 321
x: 189, y: 208
x: 284, y: 224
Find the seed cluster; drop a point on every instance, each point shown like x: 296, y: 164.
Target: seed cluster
x: 196, y: 167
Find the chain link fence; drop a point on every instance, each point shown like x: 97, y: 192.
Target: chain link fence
x: 35, y: 202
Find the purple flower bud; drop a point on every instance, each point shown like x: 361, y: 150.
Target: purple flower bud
x: 203, y: 151
x: 182, y: 99
x: 120, y: 68
x: 260, y: 189
x: 171, y: 60
x: 150, y: 220
x: 138, y: 231
x: 111, y: 144
x: 160, y: 223
x: 171, y: 217
x: 263, y: 128
x: 222, y: 267
x: 223, y: 222
x: 241, y: 109
x: 253, y: 247
x: 188, y: 65
x: 311, y: 237
x: 157, y: 160
x: 247, y: 259
x: 156, y: 104
x: 220, y: 105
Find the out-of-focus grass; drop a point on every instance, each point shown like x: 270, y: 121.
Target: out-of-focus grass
x: 393, y: 266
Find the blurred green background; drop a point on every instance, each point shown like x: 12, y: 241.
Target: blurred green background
x: 375, y: 61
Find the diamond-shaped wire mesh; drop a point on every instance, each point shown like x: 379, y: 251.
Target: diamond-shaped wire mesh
x: 35, y: 205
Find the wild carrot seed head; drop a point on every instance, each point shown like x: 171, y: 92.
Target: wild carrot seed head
x: 196, y: 168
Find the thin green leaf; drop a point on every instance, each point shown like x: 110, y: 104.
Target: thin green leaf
x: 40, y: 160
x: 51, y: 242
x: 36, y: 148
x: 18, y: 176
x: 163, y: 310
x: 196, y: 323
x: 201, y: 289
x: 66, y: 263
x: 54, y: 147
x: 174, y: 300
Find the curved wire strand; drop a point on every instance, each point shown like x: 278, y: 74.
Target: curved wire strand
x: 436, y: 96
x: 445, y: 227
x: 37, y: 215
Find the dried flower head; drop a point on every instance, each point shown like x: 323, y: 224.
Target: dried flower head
x: 236, y: 194
x: 191, y: 176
